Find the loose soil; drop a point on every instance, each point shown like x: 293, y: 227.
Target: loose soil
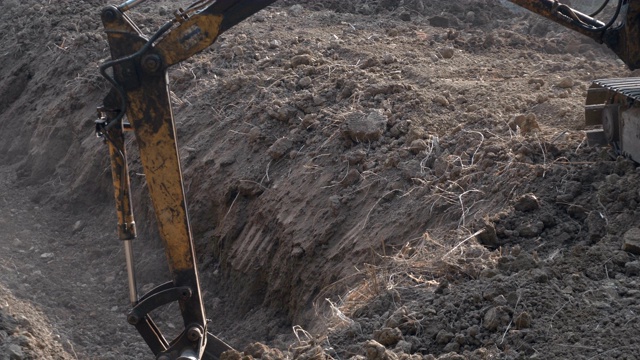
x: 366, y: 179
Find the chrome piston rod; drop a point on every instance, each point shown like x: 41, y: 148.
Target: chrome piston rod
x: 131, y: 275
x: 129, y: 4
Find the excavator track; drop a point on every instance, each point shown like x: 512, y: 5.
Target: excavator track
x: 613, y: 105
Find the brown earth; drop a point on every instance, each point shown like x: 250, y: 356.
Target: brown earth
x: 389, y: 179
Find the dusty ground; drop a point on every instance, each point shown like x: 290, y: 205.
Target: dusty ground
x: 358, y: 170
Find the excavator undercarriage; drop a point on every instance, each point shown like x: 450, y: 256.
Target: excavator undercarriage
x: 613, y: 106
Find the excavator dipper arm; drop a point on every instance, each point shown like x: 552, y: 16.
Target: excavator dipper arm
x: 621, y: 32
x: 141, y: 92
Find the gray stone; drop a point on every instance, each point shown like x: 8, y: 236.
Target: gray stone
x: 565, y: 83
x: 388, y: 336
x: 523, y: 320
x: 632, y: 268
x: 376, y: 351
x: 496, y: 317
x: 396, y: 318
x: 447, y: 52
x: 439, y: 21
x: 15, y: 352
x: 279, y: 148
x: 403, y: 346
x: 531, y: 229
x: 444, y: 337
x: 296, y: 10
x: 527, y: 203
x: 441, y: 100
x: 304, y: 59
x: 631, y: 241
x: 305, y: 82
x: 361, y: 128
x: 489, y: 236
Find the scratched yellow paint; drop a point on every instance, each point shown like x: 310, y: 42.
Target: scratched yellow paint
x: 191, y: 37
x: 159, y: 156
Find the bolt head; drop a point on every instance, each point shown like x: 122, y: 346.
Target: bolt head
x: 133, y: 319
x: 194, y: 333
x: 108, y: 15
x: 152, y: 62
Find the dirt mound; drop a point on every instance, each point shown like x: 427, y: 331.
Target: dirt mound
x: 410, y: 176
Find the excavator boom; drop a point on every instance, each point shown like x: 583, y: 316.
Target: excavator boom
x: 140, y: 94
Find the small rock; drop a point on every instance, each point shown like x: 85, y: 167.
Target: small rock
x: 279, y: 148
x: 439, y: 21
x: 304, y: 59
x: 376, y: 351
x: 470, y: 16
x: 632, y: 268
x: 474, y: 330
x: 596, y: 225
x: 452, y: 348
x: 15, y: 352
x: 403, y: 346
x: 631, y: 241
x: 495, y: 317
x: 500, y: 300
x: 296, y: 252
x: 439, y: 99
x: 489, y: 236
x: 488, y: 273
x: 46, y: 255
x: 447, y: 52
x: 274, y: 44
x: 256, y: 350
x: 387, y: 336
x: 527, y: 203
x: 231, y: 355
x: 296, y: 10
x: 255, y: 134
x: 452, y: 356
x: 527, y: 123
x: 352, y: 177
x: 418, y: 145
x: 369, y: 63
x: 356, y: 157
x: 79, y: 225
x: 565, y: 83
x: 531, y: 229
x: 361, y: 127
x: 305, y: 82
x: 388, y: 58
x: 396, y: 318
x: 443, y: 337
x: 249, y: 189
x: 523, y: 320
x: 237, y: 51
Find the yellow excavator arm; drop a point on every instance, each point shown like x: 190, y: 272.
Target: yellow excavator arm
x: 140, y: 94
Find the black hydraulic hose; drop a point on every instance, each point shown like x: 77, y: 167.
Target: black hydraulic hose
x: 114, y: 83
x: 604, y: 4
x: 567, y: 11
